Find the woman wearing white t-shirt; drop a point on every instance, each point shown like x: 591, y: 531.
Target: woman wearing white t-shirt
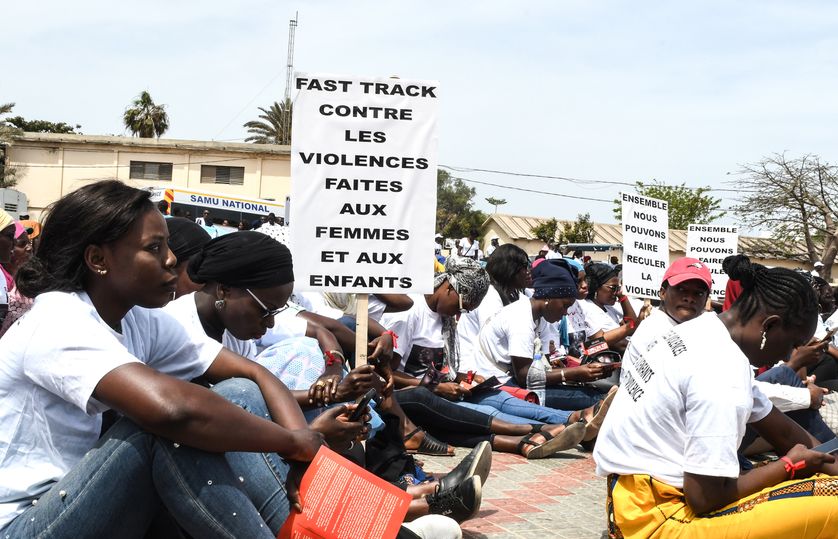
x: 617, y: 322
x: 93, y: 341
x: 669, y: 444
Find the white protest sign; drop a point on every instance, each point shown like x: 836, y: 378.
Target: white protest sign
x: 712, y: 244
x: 645, y: 244
x: 363, y: 181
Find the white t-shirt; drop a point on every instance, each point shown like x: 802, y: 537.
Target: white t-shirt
x: 185, y: 310
x: 287, y: 325
x: 469, y: 326
x: 50, y: 363
x: 420, y: 337
x: 376, y: 308
x: 469, y: 248
x: 652, y: 327
x: 275, y: 231
x: 682, y: 407
x: 511, y: 332
x: 596, y: 319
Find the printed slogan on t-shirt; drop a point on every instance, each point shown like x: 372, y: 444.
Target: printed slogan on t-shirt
x: 712, y: 244
x: 645, y: 244
x: 363, y: 175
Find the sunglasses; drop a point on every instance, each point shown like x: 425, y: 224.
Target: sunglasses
x: 266, y: 312
x: 612, y: 287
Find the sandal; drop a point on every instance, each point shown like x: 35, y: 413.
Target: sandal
x: 600, y: 409
x: 428, y: 446
x: 566, y: 439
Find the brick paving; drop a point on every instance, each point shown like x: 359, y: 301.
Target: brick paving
x: 557, y: 497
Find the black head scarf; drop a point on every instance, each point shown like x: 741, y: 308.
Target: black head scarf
x: 245, y: 259
x: 598, y: 274
x: 186, y: 237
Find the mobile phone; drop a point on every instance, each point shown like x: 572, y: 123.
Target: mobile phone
x: 829, y: 334
x: 362, y: 402
x: 828, y: 447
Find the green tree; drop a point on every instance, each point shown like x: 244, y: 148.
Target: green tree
x: 274, y: 125
x: 496, y: 202
x: 686, y: 205
x: 546, y: 231
x: 41, y: 126
x: 455, y: 215
x: 797, y: 200
x: 9, y: 175
x: 579, y: 231
x: 146, y: 119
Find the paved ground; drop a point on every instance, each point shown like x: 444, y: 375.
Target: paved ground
x: 535, y: 499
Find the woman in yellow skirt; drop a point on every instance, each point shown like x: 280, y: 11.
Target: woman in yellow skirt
x: 669, y: 443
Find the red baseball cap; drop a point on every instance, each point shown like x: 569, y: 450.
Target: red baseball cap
x: 686, y: 269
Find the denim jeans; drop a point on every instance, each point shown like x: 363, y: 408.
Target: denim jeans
x: 444, y: 419
x: 809, y: 419
x: 130, y: 475
x: 515, y: 410
x: 568, y: 397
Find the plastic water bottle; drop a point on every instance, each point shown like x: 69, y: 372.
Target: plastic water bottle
x: 537, y: 378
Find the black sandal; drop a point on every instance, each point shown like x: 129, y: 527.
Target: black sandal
x: 566, y: 439
x: 428, y: 446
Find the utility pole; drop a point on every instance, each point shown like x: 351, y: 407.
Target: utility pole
x: 289, y: 80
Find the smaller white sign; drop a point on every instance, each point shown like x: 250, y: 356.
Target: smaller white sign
x: 712, y: 244
x: 645, y: 244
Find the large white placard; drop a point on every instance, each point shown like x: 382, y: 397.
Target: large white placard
x: 712, y: 244
x: 363, y: 181
x: 645, y: 244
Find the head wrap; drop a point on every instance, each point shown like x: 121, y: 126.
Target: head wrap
x: 245, y: 259
x: 597, y: 274
x: 19, y: 229
x: 186, y: 237
x: 34, y: 226
x: 554, y: 279
x: 5, y: 220
x: 575, y: 263
x: 471, y: 282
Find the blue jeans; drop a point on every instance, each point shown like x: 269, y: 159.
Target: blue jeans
x: 568, y: 397
x: 515, y: 410
x: 131, y: 475
x: 809, y: 419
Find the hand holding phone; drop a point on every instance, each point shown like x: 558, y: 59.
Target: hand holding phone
x: 361, y: 406
x: 829, y: 334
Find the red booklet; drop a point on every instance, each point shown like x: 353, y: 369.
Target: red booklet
x: 341, y: 500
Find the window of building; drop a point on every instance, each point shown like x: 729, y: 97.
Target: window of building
x: 147, y: 170
x: 222, y: 175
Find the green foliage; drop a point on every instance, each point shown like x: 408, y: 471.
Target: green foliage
x: 686, y: 205
x: 274, y: 126
x: 496, y: 202
x: 546, y: 231
x: 455, y: 216
x: 144, y: 118
x: 579, y: 231
x: 9, y: 175
x: 41, y: 126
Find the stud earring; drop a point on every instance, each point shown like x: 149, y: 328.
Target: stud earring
x: 102, y: 271
x: 220, y: 304
x: 762, y: 344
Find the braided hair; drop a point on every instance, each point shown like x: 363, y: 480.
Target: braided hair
x: 778, y: 291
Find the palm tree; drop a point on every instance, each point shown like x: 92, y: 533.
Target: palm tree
x: 9, y: 175
x: 274, y: 127
x: 146, y: 119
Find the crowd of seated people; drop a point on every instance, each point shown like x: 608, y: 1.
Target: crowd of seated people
x: 142, y: 351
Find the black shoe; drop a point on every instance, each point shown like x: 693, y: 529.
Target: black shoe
x: 460, y: 503
x: 478, y: 462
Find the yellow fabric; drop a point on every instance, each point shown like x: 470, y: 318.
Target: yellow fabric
x: 438, y: 268
x: 5, y: 220
x: 644, y: 507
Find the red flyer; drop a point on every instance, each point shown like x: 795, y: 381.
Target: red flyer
x: 341, y: 500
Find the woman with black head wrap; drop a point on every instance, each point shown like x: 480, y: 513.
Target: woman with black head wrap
x: 186, y: 238
x: 616, y: 322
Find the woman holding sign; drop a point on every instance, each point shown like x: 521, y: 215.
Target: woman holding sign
x: 669, y: 447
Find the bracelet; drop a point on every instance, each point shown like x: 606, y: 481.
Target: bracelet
x: 395, y: 337
x: 630, y: 322
x: 623, y: 299
x: 792, y: 467
x: 333, y: 356
x: 563, y: 378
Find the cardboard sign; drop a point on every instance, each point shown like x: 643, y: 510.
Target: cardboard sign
x: 712, y: 244
x: 363, y: 181
x: 645, y: 244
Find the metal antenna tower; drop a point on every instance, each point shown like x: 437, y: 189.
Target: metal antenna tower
x: 289, y: 79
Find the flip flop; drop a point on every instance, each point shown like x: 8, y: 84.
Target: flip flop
x: 600, y: 409
x: 566, y: 439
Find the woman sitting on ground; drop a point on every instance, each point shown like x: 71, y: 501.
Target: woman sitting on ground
x: 21, y: 252
x: 431, y: 377
x: 669, y: 444
x: 616, y: 321
x: 95, y: 340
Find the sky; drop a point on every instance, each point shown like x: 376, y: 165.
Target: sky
x: 618, y: 91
